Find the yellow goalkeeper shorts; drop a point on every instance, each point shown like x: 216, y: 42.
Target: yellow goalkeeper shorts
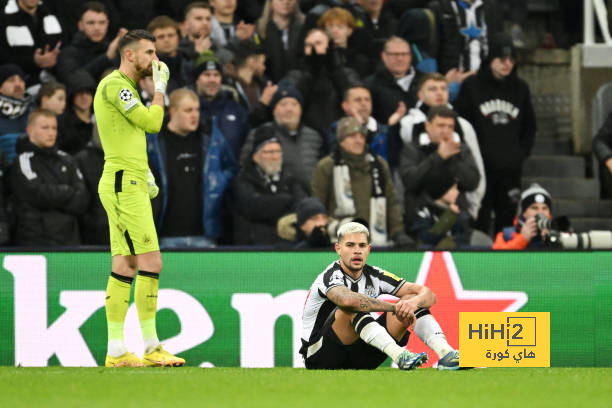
x: 125, y: 198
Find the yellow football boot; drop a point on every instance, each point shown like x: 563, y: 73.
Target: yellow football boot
x: 126, y: 360
x: 161, y: 358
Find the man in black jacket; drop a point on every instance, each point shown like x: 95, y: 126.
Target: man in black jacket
x: 48, y: 188
x: 90, y: 51
x: 395, y: 80
x: 497, y: 102
x: 439, y: 147
x: 264, y: 191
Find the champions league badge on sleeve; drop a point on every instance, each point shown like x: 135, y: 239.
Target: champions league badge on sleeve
x: 128, y: 97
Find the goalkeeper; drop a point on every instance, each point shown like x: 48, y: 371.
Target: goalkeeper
x: 126, y: 188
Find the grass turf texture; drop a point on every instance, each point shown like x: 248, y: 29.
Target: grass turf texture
x: 288, y: 387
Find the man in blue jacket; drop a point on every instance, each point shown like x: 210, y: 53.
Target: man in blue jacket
x: 193, y: 169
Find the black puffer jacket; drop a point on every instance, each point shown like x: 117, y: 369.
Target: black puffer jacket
x: 49, y: 194
x: 94, y: 222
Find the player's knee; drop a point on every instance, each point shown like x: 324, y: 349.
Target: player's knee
x: 344, y: 316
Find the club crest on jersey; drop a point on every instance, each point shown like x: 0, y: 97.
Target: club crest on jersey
x: 370, y: 291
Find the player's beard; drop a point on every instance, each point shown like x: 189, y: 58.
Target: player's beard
x: 143, y: 70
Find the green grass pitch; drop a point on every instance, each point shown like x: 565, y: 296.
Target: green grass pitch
x: 289, y: 387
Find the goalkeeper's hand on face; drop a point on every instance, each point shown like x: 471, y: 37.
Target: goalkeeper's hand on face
x: 160, y: 74
x: 153, y: 189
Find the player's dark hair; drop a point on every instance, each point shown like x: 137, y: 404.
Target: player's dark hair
x: 134, y: 36
x: 94, y: 6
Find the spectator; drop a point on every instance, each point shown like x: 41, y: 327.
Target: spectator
x: 254, y: 93
x: 224, y: 27
x: 265, y: 190
x: 358, y: 104
x: 321, y: 81
x: 194, y: 170
x: 53, y: 97
x: 340, y: 26
x: 218, y: 100
x: 302, y: 145
x: 30, y: 36
x: 94, y: 221
x: 76, y: 125
x: 352, y: 182
x: 15, y: 105
x: 497, y: 102
x: 307, y: 227
x: 439, y: 223
x: 315, y: 9
x: 439, y: 147
x: 166, y: 33
x: 378, y: 25
x: 525, y: 232
x: 135, y: 14
x: 395, y: 80
x: 279, y: 28
x: 5, y: 234
x: 48, y: 188
x: 197, y: 38
x: 90, y: 50
x: 69, y: 13
x: 602, y: 148
x: 463, y: 29
x: 432, y: 92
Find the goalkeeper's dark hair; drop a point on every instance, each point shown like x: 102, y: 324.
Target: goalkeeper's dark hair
x: 134, y: 36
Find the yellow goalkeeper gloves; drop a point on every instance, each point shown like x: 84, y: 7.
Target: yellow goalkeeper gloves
x: 161, y: 74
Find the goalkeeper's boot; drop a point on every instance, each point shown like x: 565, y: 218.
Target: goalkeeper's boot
x: 161, y: 358
x: 451, y: 362
x: 125, y: 360
x: 409, y: 360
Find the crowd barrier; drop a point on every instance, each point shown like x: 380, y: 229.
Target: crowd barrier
x: 244, y: 308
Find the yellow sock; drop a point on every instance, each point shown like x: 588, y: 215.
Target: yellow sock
x: 145, y: 295
x: 117, y: 301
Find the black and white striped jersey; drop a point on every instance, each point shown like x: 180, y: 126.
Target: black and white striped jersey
x: 373, y: 282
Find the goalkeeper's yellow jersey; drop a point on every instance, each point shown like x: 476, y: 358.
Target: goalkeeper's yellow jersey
x: 122, y: 121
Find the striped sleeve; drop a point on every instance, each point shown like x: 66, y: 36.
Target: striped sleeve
x: 331, y: 278
x: 389, y: 283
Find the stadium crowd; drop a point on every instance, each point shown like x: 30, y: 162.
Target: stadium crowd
x: 285, y: 119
